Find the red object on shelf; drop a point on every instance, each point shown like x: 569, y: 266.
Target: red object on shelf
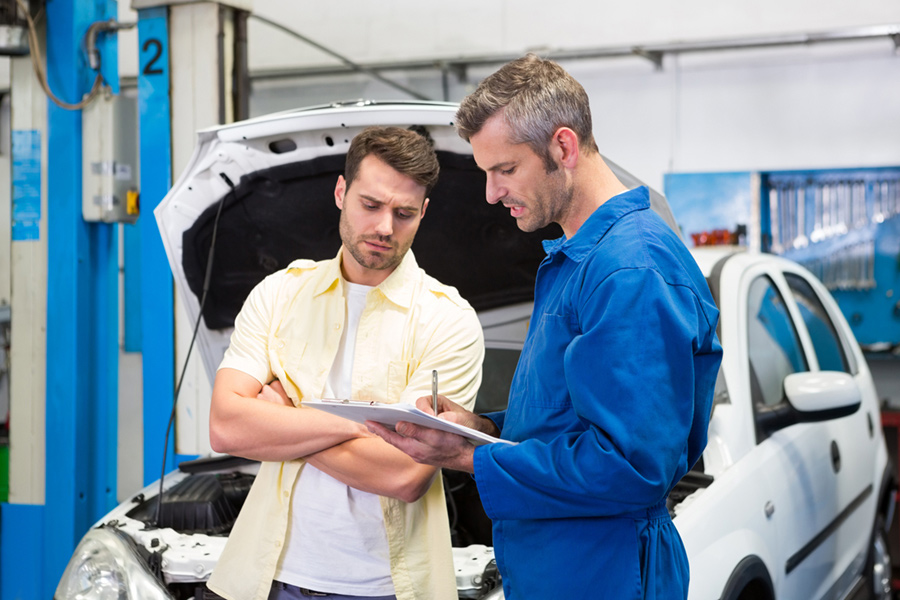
x: 890, y: 418
x: 716, y: 237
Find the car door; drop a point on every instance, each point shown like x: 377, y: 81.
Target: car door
x: 852, y: 440
x: 800, y: 480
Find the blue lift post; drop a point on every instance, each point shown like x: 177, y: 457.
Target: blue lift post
x: 82, y: 306
x: 82, y: 323
x: 157, y: 312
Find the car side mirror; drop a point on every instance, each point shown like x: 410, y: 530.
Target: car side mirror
x: 823, y: 395
x: 811, y: 397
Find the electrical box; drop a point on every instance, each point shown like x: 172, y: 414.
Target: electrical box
x: 109, y: 151
x: 13, y: 28
x: 13, y: 40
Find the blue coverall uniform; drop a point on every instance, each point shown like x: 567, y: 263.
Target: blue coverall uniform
x: 610, y: 405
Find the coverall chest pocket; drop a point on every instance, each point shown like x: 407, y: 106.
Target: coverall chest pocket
x: 546, y: 375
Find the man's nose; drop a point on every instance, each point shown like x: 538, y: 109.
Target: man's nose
x: 384, y: 224
x: 493, y: 191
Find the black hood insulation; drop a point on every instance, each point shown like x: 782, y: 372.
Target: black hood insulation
x: 287, y: 212
x: 201, y: 503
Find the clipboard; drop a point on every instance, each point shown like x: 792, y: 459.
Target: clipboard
x: 391, y: 414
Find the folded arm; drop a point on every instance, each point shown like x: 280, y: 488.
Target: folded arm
x: 243, y: 424
x: 367, y: 464
x: 371, y: 465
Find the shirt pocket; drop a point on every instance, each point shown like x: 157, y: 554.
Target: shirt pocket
x: 289, y: 368
x: 399, y: 374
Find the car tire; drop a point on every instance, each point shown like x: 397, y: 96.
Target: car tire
x: 879, y: 564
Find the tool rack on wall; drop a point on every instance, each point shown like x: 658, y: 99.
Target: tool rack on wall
x: 844, y: 226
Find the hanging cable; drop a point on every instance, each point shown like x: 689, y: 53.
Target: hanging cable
x: 40, y: 71
x: 206, y: 279
x: 340, y: 57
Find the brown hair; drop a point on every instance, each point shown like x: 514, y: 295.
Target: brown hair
x: 537, y: 97
x: 406, y: 151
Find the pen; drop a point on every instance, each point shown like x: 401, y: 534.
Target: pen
x: 434, y: 390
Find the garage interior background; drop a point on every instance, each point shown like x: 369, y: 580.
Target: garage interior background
x: 695, y: 86
x: 790, y: 106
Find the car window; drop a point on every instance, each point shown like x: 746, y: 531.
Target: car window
x: 824, y: 335
x: 773, y: 344
x: 498, y: 369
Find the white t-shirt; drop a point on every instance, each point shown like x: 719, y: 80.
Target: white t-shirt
x: 336, y: 538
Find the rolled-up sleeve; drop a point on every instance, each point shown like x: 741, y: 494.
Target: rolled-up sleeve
x: 454, y: 347
x: 248, y: 350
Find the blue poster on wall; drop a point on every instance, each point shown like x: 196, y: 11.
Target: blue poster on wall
x: 712, y: 208
x: 26, y: 179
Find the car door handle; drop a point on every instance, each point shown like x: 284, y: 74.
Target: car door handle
x: 835, y: 457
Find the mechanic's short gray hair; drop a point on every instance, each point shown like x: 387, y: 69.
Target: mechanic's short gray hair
x: 537, y: 97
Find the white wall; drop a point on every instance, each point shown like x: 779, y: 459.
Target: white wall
x: 824, y: 106
x: 830, y: 105
x: 833, y: 106
x: 369, y: 31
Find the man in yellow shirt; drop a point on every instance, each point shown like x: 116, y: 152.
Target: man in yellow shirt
x: 336, y: 512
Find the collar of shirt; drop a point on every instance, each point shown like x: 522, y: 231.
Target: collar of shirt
x: 398, y: 287
x: 596, y: 226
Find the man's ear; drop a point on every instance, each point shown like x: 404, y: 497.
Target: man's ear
x: 340, y: 189
x: 565, y: 145
x: 424, y: 206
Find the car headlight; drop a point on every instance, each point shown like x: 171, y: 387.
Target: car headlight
x: 106, y: 567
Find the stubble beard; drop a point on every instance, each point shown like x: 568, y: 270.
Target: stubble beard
x: 376, y: 261
x: 550, y: 203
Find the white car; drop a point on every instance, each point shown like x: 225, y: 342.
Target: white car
x: 791, y: 499
x: 795, y: 493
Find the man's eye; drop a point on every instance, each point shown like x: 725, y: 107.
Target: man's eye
x: 508, y: 171
x: 370, y: 206
x: 404, y: 215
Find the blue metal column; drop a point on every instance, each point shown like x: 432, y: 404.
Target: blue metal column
x: 157, y: 309
x: 82, y: 301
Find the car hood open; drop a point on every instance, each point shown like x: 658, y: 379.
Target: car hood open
x: 274, y: 178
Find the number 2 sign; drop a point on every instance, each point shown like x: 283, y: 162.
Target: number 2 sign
x: 151, y: 53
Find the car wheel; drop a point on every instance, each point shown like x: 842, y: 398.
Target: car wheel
x: 879, y: 565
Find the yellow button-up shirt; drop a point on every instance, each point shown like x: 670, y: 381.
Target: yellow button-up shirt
x: 289, y: 328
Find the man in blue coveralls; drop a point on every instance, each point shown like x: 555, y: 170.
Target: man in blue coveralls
x: 611, y: 399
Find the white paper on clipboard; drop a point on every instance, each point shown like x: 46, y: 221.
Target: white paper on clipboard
x: 391, y: 414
